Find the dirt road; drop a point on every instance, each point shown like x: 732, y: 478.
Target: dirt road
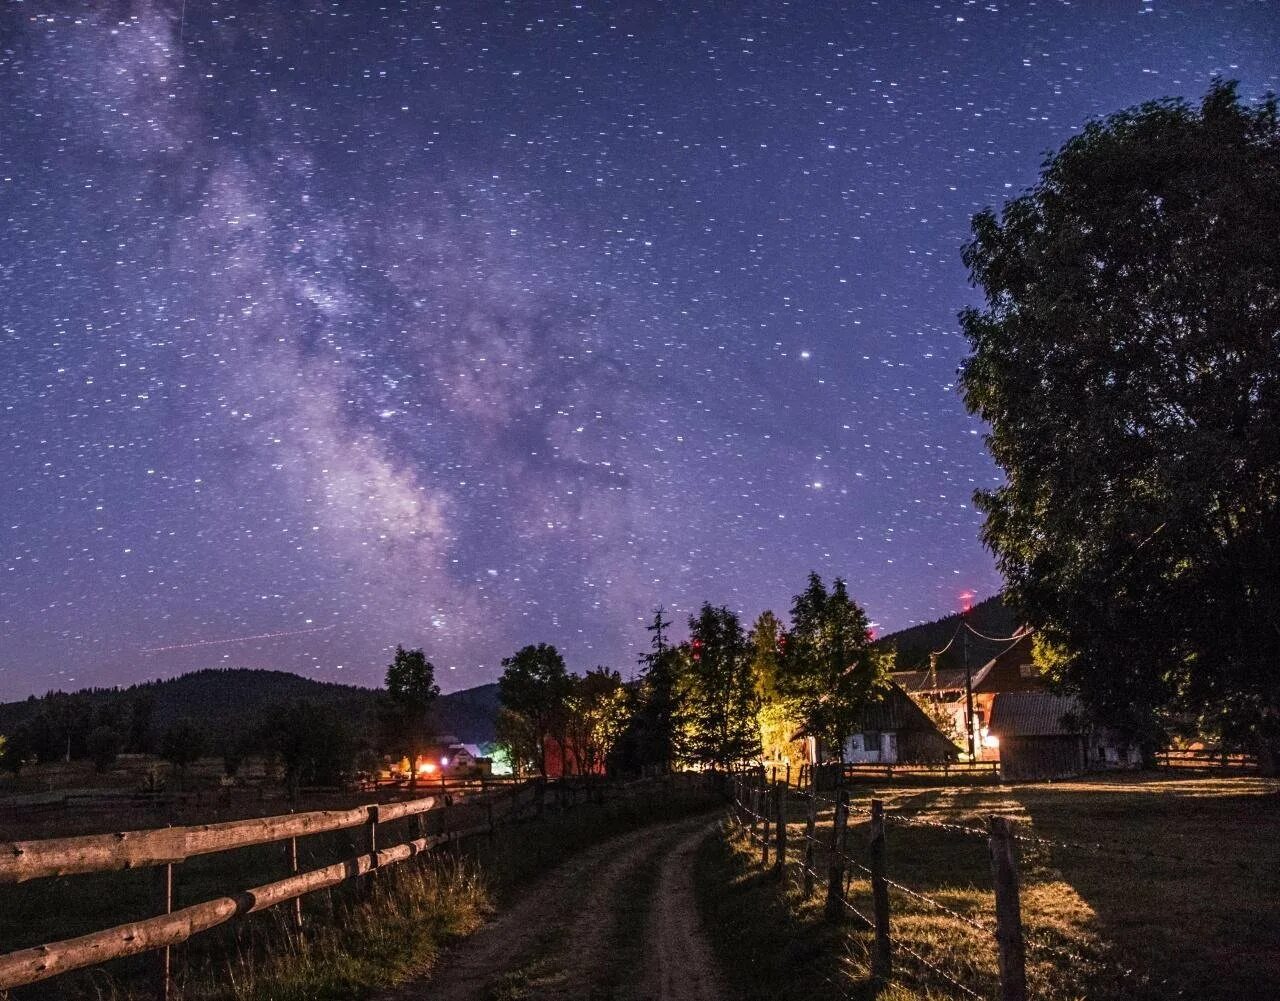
x: 617, y: 921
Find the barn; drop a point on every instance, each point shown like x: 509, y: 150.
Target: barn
x: 1045, y: 736
x: 1041, y: 735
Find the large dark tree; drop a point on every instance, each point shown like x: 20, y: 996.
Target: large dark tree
x: 1128, y: 362
x: 406, y: 709
x: 313, y: 742
x: 533, y: 690
x: 830, y: 668
x: 720, y: 696
x: 182, y: 744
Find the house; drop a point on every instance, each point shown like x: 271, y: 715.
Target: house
x: 1043, y: 735
x: 891, y: 730
x: 943, y: 689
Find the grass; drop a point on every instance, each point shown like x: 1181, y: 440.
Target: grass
x: 355, y: 940
x: 1098, y: 925
x: 769, y: 939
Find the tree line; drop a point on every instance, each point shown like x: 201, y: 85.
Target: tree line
x: 708, y: 700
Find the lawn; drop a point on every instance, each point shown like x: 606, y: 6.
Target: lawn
x: 1160, y: 886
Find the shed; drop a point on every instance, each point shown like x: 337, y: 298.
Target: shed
x: 1041, y: 735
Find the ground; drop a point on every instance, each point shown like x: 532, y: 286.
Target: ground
x: 619, y: 920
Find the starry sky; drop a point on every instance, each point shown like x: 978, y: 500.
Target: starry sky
x: 330, y: 326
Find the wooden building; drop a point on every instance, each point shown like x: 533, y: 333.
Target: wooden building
x: 1044, y: 736
x: 943, y: 689
x: 891, y: 730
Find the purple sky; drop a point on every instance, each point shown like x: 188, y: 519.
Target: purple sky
x: 473, y: 325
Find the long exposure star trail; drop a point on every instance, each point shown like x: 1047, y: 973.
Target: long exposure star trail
x: 337, y: 326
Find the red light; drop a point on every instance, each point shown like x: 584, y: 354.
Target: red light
x: 966, y: 601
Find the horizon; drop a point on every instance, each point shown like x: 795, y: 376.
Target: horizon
x: 465, y: 329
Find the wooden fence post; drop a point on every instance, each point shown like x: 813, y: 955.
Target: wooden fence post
x: 835, y: 870
x: 1004, y: 871
x: 371, y: 835
x: 882, y: 958
x: 780, y: 849
x: 765, y: 809
x: 166, y: 954
x: 293, y: 870
x: 810, y: 824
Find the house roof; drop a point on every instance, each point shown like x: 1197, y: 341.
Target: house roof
x: 1002, y: 673
x: 893, y: 710
x: 1034, y: 714
x: 934, y: 682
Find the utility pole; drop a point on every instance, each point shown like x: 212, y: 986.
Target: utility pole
x: 968, y: 686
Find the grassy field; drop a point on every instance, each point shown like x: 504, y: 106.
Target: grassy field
x: 357, y: 939
x: 1103, y: 924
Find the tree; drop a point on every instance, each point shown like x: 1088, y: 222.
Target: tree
x: 411, y: 691
x: 182, y: 744
x: 533, y: 689
x: 721, y: 697
x: 104, y: 745
x: 1127, y: 360
x: 778, y: 717
x: 9, y: 759
x: 234, y: 748
x: 313, y: 743
x: 595, y: 716
x: 141, y: 710
x: 831, y: 670
x: 651, y: 738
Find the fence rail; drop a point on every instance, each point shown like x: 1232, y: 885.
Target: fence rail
x: 1217, y: 760
x: 53, y: 857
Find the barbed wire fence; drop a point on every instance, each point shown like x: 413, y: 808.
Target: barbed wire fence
x: 761, y: 807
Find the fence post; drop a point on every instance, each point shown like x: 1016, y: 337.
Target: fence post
x: 882, y: 958
x: 810, y: 823
x: 835, y: 871
x: 1004, y: 870
x: 293, y: 869
x: 780, y: 849
x: 371, y: 835
x: 166, y: 954
x: 765, y: 805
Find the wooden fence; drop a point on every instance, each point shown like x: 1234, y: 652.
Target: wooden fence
x: 21, y: 861
x: 1212, y: 760
x: 829, y: 776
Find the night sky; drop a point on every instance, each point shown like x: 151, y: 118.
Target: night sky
x: 327, y: 327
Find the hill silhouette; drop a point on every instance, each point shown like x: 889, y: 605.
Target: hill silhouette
x: 914, y: 644
x: 222, y: 701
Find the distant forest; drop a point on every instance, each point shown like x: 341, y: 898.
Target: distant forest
x: 224, y: 702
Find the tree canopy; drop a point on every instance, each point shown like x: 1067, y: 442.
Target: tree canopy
x: 1127, y: 360
x: 533, y: 689
x: 411, y: 691
x: 830, y: 668
x: 720, y: 697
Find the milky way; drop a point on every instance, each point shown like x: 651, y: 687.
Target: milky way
x: 331, y: 327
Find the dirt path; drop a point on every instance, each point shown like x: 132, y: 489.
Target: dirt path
x: 616, y: 921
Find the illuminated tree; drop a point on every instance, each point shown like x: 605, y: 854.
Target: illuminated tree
x: 720, y: 694
x: 533, y: 689
x: 406, y: 709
